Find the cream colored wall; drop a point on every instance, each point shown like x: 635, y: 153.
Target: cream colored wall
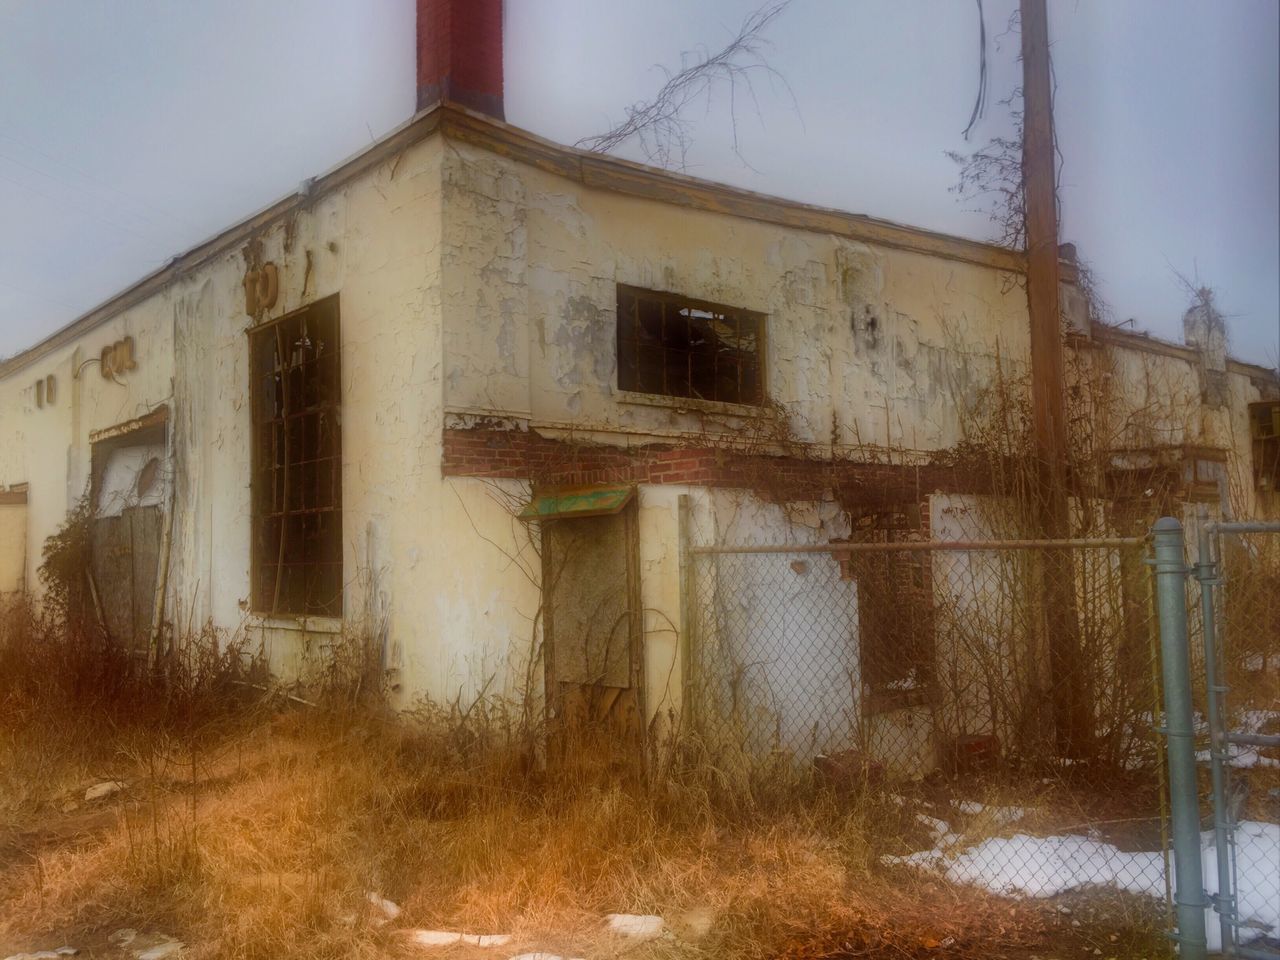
x: 472, y: 285
x: 866, y: 346
x: 48, y: 447
x: 375, y: 242
x: 13, y: 547
x: 1158, y: 403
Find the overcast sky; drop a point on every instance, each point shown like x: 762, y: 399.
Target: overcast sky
x: 131, y: 130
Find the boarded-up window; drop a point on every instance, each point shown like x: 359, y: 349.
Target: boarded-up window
x: 591, y: 619
x: 678, y: 347
x: 895, y: 610
x: 297, y: 463
x: 131, y: 482
x: 589, y: 601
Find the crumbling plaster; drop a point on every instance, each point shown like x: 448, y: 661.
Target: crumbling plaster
x: 473, y: 286
x: 865, y: 346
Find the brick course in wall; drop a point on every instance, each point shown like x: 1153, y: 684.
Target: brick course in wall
x: 526, y: 455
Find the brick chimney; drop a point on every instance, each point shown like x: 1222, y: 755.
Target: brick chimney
x: 460, y: 54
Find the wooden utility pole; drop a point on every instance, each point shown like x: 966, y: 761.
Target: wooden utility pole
x: 1048, y: 390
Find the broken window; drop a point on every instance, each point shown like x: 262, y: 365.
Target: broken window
x: 678, y: 347
x: 295, y: 392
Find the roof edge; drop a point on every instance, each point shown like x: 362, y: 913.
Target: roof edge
x: 1137, y: 340
x: 617, y: 175
x: 419, y: 127
x: 593, y: 170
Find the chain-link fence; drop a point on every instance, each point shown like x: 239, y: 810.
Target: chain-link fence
x: 1002, y: 695
x: 1239, y: 575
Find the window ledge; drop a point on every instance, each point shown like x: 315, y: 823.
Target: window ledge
x: 300, y: 624
x: 691, y: 404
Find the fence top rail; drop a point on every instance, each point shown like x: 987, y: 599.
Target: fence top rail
x: 1244, y: 526
x: 957, y: 545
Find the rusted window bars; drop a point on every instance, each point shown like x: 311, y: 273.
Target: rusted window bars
x: 295, y: 395
x: 674, y: 346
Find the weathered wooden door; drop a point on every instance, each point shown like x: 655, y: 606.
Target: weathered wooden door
x: 125, y: 553
x: 593, y: 646
x: 130, y: 483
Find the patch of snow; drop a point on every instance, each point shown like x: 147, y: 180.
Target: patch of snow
x: 170, y: 948
x: 943, y: 838
x: 1027, y: 866
x: 999, y: 816
x: 388, y: 909
x: 1256, y: 721
x: 45, y: 954
x: 635, y: 926
x: 1251, y: 722
x: 104, y: 789
x: 1241, y: 758
x: 449, y: 938
x: 924, y: 859
x: 1256, y: 663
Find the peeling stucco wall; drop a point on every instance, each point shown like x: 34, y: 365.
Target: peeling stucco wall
x: 13, y: 547
x: 477, y: 289
x: 865, y: 346
x: 48, y: 447
x: 376, y: 244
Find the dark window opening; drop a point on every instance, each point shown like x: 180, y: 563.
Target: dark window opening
x: 1264, y: 427
x: 295, y: 392
x: 677, y: 347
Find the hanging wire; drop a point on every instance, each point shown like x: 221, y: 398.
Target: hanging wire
x: 980, y: 102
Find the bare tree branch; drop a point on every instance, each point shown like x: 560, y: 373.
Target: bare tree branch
x: 661, y: 126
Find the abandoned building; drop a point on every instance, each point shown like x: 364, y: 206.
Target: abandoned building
x: 466, y: 392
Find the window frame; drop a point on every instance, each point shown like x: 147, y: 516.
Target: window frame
x: 632, y: 393
x: 275, y: 607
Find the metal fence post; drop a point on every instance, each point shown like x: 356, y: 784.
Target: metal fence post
x: 1207, y: 575
x: 1171, y: 603
x: 688, y: 610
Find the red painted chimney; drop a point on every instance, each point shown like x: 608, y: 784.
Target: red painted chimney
x: 460, y: 54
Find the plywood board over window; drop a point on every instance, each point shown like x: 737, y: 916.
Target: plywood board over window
x: 13, y: 540
x: 130, y: 485
x: 295, y: 396
x: 593, y: 648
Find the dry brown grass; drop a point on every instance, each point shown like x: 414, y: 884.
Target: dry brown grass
x: 254, y: 826
x: 266, y: 842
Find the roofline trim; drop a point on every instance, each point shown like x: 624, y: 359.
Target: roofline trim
x: 1106, y: 333
x: 617, y: 175
x: 594, y: 171
x: 420, y: 127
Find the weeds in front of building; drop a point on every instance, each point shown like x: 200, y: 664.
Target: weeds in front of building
x: 785, y: 809
x: 254, y: 819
